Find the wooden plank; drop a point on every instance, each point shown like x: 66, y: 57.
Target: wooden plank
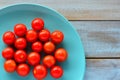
x: 103, y: 69
x: 100, y: 38
x: 79, y: 9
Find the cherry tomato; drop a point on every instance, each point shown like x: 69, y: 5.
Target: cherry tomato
x: 33, y: 58
x: 57, y: 37
x: 23, y: 69
x: 40, y: 72
x: 44, y: 35
x: 37, y: 24
x: 20, y: 56
x: 8, y: 53
x: 61, y: 54
x: 20, y: 29
x: 8, y: 37
x: 49, y: 61
x: 56, y: 72
x: 49, y: 47
x: 10, y: 65
x: 37, y: 46
x: 20, y: 43
x: 31, y: 36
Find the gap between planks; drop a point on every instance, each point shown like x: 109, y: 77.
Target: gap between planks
x: 93, y: 20
x: 102, y: 57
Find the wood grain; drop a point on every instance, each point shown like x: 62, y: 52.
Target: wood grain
x: 100, y: 38
x: 79, y: 9
x: 103, y: 69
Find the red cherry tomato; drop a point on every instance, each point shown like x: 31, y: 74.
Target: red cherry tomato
x: 8, y: 37
x: 49, y: 47
x: 20, y: 56
x: 20, y: 43
x: 37, y: 46
x: 20, y: 29
x: 10, y: 65
x: 57, y: 37
x: 56, y: 72
x: 44, y: 35
x: 40, y: 72
x: 33, y: 58
x: 8, y: 53
x: 61, y: 54
x: 37, y: 24
x: 49, y: 61
x: 23, y: 69
x: 31, y: 36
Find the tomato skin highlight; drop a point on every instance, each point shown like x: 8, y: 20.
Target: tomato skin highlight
x: 49, y: 61
x: 44, y: 35
x: 31, y: 36
x: 37, y: 24
x: 57, y: 37
x: 37, y: 46
x: 33, y: 58
x: 23, y: 70
x: 49, y: 47
x: 61, y: 54
x: 20, y: 56
x: 40, y: 72
x: 37, y: 41
x: 20, y: 43
x: 10, y: 66
x: 20, y: 29
x: 8, y: 53
x: 9, y: 38
x: 56, y: 72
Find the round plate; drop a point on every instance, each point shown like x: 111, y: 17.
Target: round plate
x: 74, y: 66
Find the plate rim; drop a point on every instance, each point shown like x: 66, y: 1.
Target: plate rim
x: 55, y: 11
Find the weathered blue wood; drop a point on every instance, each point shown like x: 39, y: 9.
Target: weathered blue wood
x: 100, y: 38
x: 79, y: 9
x: 103, y: 69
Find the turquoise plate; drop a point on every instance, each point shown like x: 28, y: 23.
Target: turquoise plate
x: 74, y: 67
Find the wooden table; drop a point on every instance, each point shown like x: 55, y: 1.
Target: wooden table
x: 97, y: 22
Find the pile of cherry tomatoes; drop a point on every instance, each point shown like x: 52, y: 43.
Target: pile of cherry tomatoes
x: 35, y: 47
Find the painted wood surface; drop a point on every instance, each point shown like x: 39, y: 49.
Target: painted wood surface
x: 100, y: 38
x: 78, y: 9
x: 103, y: 69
